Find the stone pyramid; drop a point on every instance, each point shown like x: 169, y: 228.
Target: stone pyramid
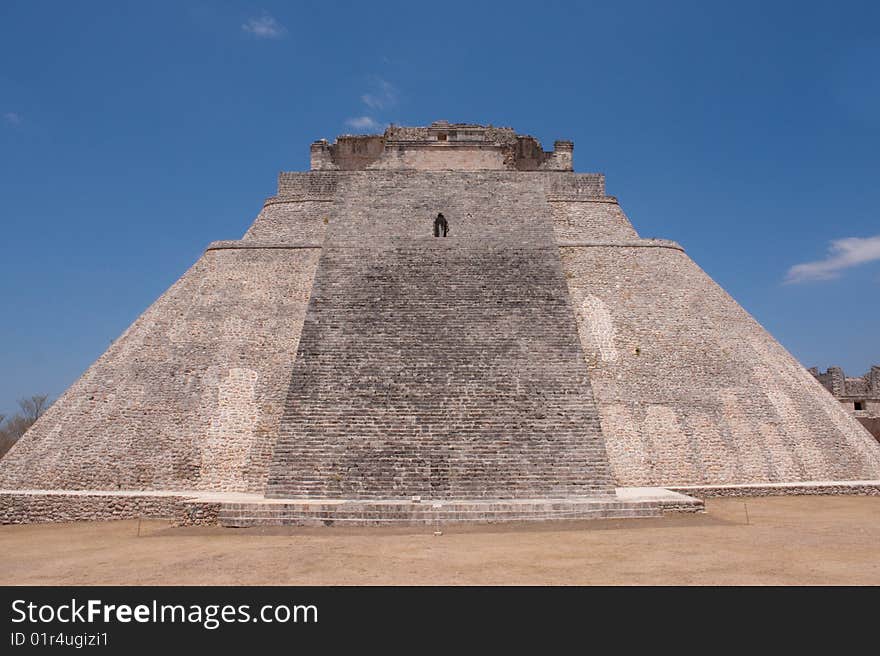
x: 542, y: 349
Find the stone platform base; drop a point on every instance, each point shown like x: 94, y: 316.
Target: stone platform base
x: 234, y: 509
x: 627, y: 503
x: 246, y: 510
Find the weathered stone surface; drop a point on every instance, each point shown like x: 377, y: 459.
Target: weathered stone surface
x: 442, y: 146
x: 542, y: 349
x: 36, y: 507
x: 189, y: 397
x: 596, y: 219
x: 691, y: 389
x: 291, y: 220
x: 813, y: 488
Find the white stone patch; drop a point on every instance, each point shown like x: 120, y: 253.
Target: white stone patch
x: 598, y: 321
x: 674, y: 462
x: 623, y: 444
x: 230, y: 431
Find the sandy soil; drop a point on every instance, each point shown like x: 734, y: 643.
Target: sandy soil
x: 786, y: 540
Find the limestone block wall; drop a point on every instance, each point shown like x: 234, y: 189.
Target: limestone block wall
x: 440, y: 147
x: 478, y: 205
x: 296, y: 221
x: 856, y: 488
x: 18, y: 507
x: 190, y: 396
x: 434, y: 158
x: 561, y: 159
x: 575, y: 186
x: 312, y: 185
x: 598, y: 219
x: 321, y: 157
x: 870, y: 407
x: 301, y: 211
x: 692, y: 390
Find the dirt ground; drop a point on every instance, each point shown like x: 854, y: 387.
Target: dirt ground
x: 777, y: 540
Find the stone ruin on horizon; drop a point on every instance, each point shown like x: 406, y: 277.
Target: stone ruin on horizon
x: 860, y: 395
x: 341, y: 351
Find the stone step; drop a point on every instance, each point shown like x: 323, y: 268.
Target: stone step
x: 449, y: 368
x: 356, y: 513
x: 441, y: 367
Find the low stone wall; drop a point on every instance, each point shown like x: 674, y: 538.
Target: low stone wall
x: 860, y: 488
x: 198, y: 513
x: 669, y: 507
x: 33, y: 507
x: 220, y: 509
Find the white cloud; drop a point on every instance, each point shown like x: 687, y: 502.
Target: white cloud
x: 12, y: 118
x: 842, y: 254
x: 264, y: 27
x: 382, y: 96
x: 363, y: 123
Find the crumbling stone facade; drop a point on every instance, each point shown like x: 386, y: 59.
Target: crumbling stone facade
x: 859, y: 395
x: 442, y: 146
x: 341, y: 351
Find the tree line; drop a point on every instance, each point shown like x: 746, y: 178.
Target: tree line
x: 12, y: 428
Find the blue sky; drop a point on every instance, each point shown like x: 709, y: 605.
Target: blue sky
x: 132, y: 134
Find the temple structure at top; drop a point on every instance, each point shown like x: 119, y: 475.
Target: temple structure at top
x: 441, y: 146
